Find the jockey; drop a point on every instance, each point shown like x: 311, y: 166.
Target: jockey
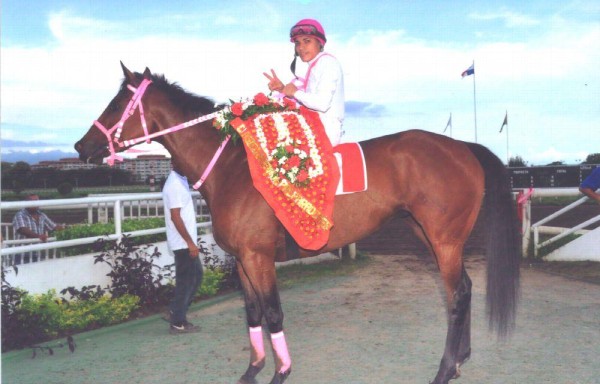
x: 322, y: 89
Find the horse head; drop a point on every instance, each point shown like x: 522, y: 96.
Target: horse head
x: 122, y: 120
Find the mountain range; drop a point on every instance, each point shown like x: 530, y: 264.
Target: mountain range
x: 35, y: 157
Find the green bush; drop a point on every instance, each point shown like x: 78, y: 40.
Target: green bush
x: 46, y: 316
x: 42, y: 312
x: 211, y: 282
x: 79, y: 231
x: 86, y: 314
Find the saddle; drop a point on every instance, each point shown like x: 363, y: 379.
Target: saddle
x: 353, y: 170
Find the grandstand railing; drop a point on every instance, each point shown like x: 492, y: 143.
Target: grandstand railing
x: 539, y: 228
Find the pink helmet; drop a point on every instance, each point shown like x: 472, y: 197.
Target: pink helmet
x: 308, y: 27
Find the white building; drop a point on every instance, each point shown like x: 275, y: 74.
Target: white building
x: 141, y: 167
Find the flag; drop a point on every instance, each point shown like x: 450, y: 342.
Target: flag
x: 469, y: 71
x: 449, y: 123
x: 505, y: 121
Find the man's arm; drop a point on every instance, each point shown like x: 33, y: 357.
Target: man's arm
x: 589, y: 192
x: 180, y: 226
x: 24, y: 231
x: 50, y: 224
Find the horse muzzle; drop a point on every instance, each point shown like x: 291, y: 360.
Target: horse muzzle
x: 90, y: 152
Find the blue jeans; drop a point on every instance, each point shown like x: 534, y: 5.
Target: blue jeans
x: 188, y: 277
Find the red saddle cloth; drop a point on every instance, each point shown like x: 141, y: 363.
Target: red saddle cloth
x: 353, y: 170
x: 292, y: 165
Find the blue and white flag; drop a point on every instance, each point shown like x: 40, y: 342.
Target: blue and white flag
x: 469, y: 71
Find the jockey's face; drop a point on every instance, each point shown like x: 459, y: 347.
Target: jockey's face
x: 307, y: 47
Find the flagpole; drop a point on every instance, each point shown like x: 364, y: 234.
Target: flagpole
x: 474, y: 102
x: 507, y: 153
x: 449, y: 124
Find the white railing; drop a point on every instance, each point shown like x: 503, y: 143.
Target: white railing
x: 539, y: 228
x: 118, y: 203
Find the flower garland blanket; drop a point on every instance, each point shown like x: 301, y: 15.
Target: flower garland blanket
x: 292, y: 165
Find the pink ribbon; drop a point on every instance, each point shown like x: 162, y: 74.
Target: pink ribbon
x: 136, y: 103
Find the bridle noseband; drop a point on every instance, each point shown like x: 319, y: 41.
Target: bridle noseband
x: 136, y: 102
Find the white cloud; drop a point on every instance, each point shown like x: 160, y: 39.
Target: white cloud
x: 511, y: 19
x: 69, y: 82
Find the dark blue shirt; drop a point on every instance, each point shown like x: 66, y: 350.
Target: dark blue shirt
x: 593, y: 180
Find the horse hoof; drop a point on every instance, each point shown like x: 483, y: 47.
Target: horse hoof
x: 279, y: 377
x: 247, y: 380
x: 249, y: 377
x: 457, y: 374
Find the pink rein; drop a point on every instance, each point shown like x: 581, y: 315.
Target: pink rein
x: 136, y: 102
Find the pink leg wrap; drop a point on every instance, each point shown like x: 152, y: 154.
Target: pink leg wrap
x: 281, y: 351
x: 257, y: 344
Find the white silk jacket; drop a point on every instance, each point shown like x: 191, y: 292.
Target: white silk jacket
x: 324, y: 93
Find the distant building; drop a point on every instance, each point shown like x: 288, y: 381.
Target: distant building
x: 144, y: 166
x: 64, y: 164
x: 141, y: 167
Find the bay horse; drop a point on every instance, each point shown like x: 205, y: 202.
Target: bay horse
x: 437, y: 184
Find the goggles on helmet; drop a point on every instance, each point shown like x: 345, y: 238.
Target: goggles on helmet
x: 306, y: 29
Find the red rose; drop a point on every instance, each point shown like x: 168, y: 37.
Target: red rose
x: 289, y: 148
x: 302, y: 176
x: 289, y: 103
x: 294, y: 161
x: 261, y: 99
x: 237, y: 109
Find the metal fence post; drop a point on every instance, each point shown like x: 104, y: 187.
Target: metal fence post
x: 118, y: 218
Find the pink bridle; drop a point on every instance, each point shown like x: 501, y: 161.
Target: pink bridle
x: 136, y: 102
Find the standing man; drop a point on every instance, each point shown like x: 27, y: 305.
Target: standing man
x: 591, y: 183
x: 182, y: 235
x: 32, y: 223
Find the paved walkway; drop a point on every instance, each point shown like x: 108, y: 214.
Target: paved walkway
x: 382, y: 324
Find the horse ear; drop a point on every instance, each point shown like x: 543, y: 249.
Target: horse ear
x: 147, y: 73
x: 128, y: 74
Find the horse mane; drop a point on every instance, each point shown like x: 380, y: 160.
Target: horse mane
x: 189, y: 102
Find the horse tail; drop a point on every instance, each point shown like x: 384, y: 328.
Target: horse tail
x: 503, y: 248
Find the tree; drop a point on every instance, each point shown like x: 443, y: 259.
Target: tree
x: 592, y: 158
x: 516, y: 161
x: 21, y: 175
x: 65, y: 188
x: 560, y: 162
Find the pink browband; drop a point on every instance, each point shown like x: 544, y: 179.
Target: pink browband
x: 136, y: 102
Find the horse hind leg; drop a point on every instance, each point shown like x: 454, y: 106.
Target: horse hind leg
x: 458, y: 291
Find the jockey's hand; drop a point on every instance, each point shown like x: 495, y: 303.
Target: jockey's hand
x: 274, y: 83
x: 289, y: 90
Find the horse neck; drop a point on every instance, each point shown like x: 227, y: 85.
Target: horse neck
x: 191, y: 151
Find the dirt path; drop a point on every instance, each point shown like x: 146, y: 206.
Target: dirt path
x: 384, y: 323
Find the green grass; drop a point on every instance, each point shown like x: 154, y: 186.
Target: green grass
x: 545, y: 250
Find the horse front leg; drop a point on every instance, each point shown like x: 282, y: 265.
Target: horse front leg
x: 262, y: 299
x: 253, y: 318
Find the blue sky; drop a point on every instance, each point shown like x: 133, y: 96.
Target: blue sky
x: 538, y: 60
